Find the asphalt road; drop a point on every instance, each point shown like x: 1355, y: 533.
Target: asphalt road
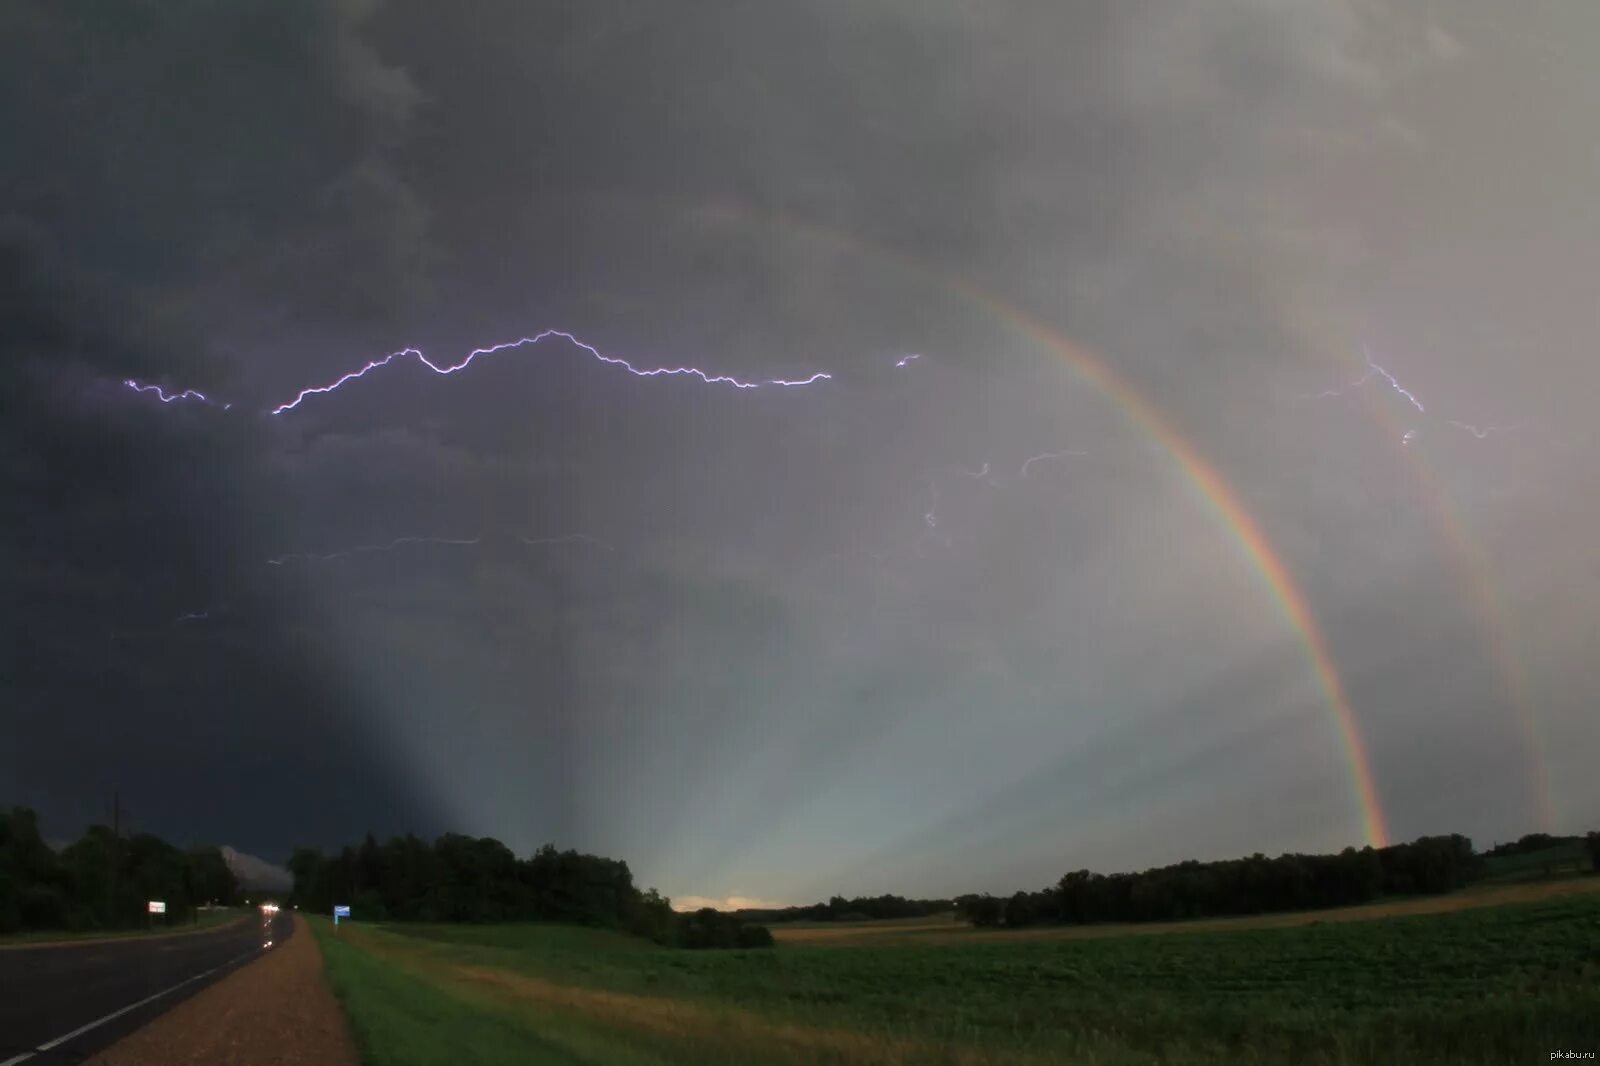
x: 61, y: 1003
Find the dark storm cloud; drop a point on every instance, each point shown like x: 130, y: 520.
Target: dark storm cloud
x: 150, y: 147
x: 758, y: 634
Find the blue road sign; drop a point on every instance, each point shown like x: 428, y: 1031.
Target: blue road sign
x: 341, y: 911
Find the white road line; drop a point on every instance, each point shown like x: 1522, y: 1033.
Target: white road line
x: 80, y: 1030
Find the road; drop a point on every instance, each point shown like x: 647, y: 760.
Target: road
x: 59, y: 1003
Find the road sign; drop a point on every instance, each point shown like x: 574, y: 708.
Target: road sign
x: 158, y: 906
x: 340, y: 911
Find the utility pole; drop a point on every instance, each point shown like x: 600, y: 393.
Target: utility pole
x: 116, y: 834
x: 116, y: 854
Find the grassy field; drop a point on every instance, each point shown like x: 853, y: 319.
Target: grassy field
x: 946, y: 928
x: 1502, y: 984
x: 207, y: 920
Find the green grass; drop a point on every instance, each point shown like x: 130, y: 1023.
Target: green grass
x: 206, y: 920
x: 405, y: 1015
x: 1502, y: 984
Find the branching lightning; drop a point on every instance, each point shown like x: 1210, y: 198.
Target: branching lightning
x: 1376, y: 371
x: 1373, y: 370
x: 907, y: 360
x: 648, y: 372
x: 418, y: 355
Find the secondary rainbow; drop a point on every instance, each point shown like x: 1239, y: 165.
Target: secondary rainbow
x: 1215, y: 492
x: 1471, y: 560
x: 1223, y: 502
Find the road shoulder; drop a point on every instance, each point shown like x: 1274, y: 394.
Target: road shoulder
x: 277, y: 1010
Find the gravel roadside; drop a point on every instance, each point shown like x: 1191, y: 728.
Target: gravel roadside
x: 277, y: 1011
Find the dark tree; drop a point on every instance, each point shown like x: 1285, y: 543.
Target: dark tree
x: 981, y: 910
x: 100, y: 881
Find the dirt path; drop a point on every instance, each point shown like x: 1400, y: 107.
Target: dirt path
x: 276, y: 1011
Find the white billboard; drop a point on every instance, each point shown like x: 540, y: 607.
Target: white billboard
x: 158, y: 906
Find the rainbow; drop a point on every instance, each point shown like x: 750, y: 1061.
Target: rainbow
x: 1213, y: 490
x: 1220, y: 498
x: 1471, y: 561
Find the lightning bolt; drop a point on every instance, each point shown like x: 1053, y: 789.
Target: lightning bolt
x: 906, y: 361
x: 164, y: 397
x: 1393, y: 383
x: 194, y: 616
x: 1376, y: 371
x: 1373, y: 370
x: 648, y: 372
x: 186, y: 394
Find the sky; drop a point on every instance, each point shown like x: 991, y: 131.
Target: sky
x: 1188, y: 448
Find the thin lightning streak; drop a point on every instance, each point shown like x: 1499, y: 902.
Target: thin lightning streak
x: 1333, y: 394
x: 981, y: 474
x: 985, y: 473
x: 1374, y: 370
x: 279, y: 560
x: 194, y: 616
x: 1043, y: 456
x: 930, y: 517
x: 1480, y: 432
x: 709, y: 379
x: 1394, y: 384
x: 931, y: 522
x: 908, y: 360
x: 571, y: 538
x: 186, y: 394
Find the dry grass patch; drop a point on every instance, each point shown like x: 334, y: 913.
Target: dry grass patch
x: 684, y: 1020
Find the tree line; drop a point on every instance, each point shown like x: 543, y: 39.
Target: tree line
x: 103, y: 880
x: 860, y: 909
x: 1253, y: 885
x: 1532, y: 842
x: 459, y: 878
